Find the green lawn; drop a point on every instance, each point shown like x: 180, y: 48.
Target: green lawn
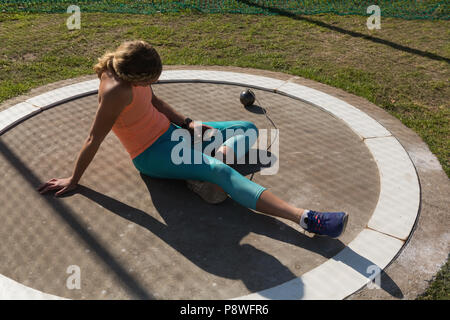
x: 439, y: 288
x: 403, y: 68
x: 408, y: 9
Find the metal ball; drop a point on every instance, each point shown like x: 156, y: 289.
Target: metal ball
x: 247, y: 97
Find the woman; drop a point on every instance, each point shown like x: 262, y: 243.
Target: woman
x: 144, y: 124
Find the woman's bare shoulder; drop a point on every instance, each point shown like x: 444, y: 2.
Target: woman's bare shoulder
x: 114, y: 89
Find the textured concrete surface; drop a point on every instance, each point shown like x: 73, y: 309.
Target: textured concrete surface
x: 133, y: 236
x: 429, y: 245
x: 108, y: 230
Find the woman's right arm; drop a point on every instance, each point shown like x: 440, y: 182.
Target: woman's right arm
x: 111, y: 105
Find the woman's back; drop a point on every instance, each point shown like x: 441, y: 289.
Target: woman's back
x: 140, y: 123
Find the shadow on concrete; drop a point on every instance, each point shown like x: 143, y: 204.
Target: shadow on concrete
x: 255, y: 109
x: 210, y: 236
x: 130, y: 284
x: 354, y: 34
x: 388, y: 285
x: 251, y: 167
x: 366, y: 268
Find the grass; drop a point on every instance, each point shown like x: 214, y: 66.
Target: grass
x: 408, y: 9
x: 439, y: 288
x: 403, y: 68
x: 412, y: 87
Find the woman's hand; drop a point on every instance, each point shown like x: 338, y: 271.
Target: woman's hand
x: 63, y: 185
x: 195, y: 130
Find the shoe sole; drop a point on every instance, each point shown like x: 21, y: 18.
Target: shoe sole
x: 207, y: 191
x: 344, y: 227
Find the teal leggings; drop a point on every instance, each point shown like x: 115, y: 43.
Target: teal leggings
x: 156, y: 161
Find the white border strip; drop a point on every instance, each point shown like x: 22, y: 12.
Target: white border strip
x: 63, y: 94
x: 347, y: 272
x: 351, y: 269
x: 16, y: 114
x: 222, y: 76
x: 397, y: 207
x: 363, y: 125
x: 12, y: 290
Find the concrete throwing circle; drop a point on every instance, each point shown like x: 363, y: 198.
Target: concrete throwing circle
x: 123, y: 235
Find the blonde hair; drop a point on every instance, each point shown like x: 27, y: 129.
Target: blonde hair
x: 132, y: 61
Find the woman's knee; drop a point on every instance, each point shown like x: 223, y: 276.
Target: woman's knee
x: 220, y: 171
x: 251, y: 126
x: 252, y: 133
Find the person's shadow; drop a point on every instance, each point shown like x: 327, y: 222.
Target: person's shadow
x: 210, y: 235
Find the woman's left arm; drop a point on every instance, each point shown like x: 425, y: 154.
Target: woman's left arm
x: 168, y: 111
x: 173, y: 115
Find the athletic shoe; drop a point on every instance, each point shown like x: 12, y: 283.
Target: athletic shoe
x: 207, y: 191
x: 331, y: 224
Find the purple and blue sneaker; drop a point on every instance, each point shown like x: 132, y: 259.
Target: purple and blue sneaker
x: 331, y: 224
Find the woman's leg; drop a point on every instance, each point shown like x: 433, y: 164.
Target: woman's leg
x: 237, y: 138
x: 231, y: 142
x: 269, y: 203
x: 156, y: 162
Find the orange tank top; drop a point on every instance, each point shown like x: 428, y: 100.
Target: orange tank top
x: 140, y: 123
